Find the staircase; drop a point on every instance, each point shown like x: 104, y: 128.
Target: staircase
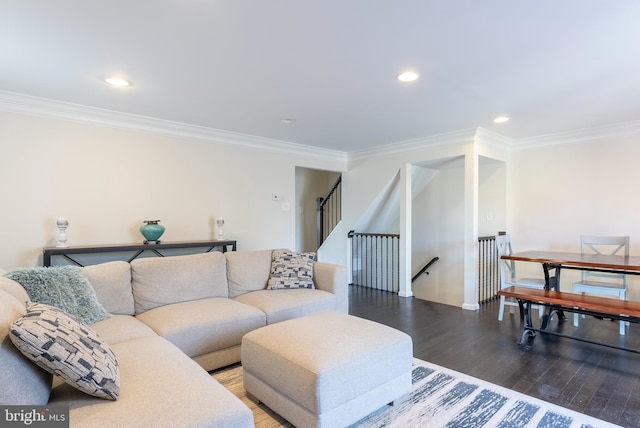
x: 329, y: 211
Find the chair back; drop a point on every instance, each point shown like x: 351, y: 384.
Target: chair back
x: 609, y: 245
x: 507, y: 267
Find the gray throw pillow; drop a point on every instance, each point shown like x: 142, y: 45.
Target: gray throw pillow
x: 64, y: 347
x: 65, y: 287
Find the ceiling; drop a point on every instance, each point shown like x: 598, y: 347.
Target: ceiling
x: 243, y: 66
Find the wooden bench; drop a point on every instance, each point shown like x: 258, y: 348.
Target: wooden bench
x: 558, y: 302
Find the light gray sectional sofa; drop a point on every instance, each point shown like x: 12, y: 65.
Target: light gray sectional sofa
x: 171, y: 320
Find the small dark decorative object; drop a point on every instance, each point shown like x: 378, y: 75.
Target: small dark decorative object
x: 152, y: 231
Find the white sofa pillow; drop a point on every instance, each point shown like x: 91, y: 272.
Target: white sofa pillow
x: 15, y: 289
x: 112, y: 283
x: 160, y: 281
x: 247, y: 271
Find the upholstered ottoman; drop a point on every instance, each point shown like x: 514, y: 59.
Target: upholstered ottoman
x: 328, y: 369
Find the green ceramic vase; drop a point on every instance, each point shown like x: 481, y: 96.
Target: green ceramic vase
x: 151, y: 230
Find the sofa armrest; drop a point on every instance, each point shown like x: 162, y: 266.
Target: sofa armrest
x: 333, y: 278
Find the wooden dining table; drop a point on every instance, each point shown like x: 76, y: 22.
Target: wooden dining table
x: 552, y: 262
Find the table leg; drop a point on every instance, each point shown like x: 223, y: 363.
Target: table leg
x: 525, y: 318
x: 551, y: 283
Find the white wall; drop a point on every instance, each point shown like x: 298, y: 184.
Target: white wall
x: 438, y: 227
x: 558, y: 192
x: 106, y: 181
x: 545, y: 196
x: 310, y: 185
x: 492, y: 198
x: 438, y: 219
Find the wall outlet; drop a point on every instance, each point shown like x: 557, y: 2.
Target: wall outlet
x: 286, y: 206
x: 275, y: 197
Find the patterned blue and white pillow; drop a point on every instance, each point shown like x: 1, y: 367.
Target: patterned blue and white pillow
x: 60, y: 344
x: 291, y: 270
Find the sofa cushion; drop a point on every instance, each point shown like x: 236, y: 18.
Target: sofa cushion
x: 202, y: 326
x: 60, y: 344
x: 112, y: 284
x: 334, y: 279
x: 161, y: 281
x: 65, y: 287
x: 120, y: 328
x: 282, y: 305
x: 15, y: 289
x: 160, y: 387
x: 291, y: 270
x: 247, y: 271
x: 23, y: 382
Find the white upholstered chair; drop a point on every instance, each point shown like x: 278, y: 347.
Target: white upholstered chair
x: 508, y: 276
x: 603, y: 283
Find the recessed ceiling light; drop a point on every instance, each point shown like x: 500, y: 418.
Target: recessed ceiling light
x: 501, y: 119
x: 407, y: 76
x: 117, y: 81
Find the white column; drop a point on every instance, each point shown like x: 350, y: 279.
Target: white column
x: 471, y: 177
x: 405, y: 232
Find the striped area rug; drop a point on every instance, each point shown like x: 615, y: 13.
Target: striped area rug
x: 446, y: 398
x: 440, y: 398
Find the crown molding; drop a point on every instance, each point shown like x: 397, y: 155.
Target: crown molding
x: 48, y: 108
x: 491, y: 138
x: 44, y: 107
x: 434, y: 141
x: 465, y: 136
x: 616, y: 130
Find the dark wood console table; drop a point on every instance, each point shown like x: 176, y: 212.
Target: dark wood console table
x: 138, y: 249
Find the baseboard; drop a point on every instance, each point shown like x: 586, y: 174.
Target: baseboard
x: 470, y: 306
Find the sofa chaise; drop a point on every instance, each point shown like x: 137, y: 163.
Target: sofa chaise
x: 171, y: 320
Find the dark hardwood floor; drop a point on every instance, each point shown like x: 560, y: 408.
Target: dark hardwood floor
x: 595, y: 380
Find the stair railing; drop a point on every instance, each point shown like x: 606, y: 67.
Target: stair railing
x: 424, y: 269
x: 375, y: 260
x: 488, y: 269
x: 329, y: 211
